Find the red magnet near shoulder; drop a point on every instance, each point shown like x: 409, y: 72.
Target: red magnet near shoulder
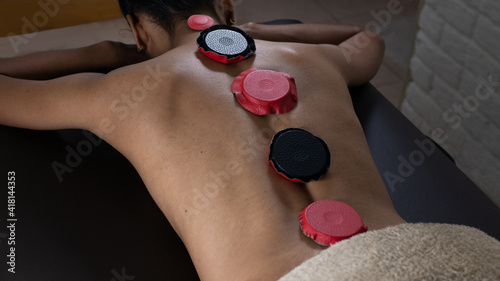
x: 328, y: 222
x: 200, y: 22
x: 265, y: 92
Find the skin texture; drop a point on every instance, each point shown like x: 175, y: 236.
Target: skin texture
x: 203, y: 157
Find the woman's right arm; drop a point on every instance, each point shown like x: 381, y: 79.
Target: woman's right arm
x: 357, y: 52
x: 301, y: 33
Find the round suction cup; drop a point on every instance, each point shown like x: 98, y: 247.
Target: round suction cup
x: 226, y: 44
x: 299, y: 156
x: 328, y: 222
x: 265, y: 92
x: 200, y: 22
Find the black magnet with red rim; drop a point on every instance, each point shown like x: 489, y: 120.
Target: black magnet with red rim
x: 299, y: 156
x: 226, y: 44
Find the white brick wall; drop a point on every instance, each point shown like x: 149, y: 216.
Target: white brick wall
x: 457, y: 51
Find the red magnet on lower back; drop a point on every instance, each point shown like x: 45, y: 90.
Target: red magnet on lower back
x: 200, y: 22
x: 328, y: 222
x: 265, y: 92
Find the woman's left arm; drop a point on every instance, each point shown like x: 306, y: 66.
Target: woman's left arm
x: 101, y: 57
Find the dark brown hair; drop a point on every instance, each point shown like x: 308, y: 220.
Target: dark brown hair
x: 166, y: 12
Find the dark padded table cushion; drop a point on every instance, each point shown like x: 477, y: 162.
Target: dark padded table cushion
x: 100, y: 219
x: 436, y: 190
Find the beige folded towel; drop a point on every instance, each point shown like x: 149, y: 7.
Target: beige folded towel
x: 407, y: 252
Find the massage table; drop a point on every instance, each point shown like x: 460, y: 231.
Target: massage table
x: 100, y: 223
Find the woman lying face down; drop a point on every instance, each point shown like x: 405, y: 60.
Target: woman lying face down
x: 202, y: 154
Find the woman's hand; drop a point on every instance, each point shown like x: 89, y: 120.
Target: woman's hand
x: 250, y: 28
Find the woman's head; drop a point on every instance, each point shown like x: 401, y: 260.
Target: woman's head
x: 154, y: 22
x: 166, y: 13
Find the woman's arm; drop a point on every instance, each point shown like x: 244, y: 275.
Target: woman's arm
x: 101, y: 57
x: 62, y: 103
x: 301, y: 33
x: 357, y: 52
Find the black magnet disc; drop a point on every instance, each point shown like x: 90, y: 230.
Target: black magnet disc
x: 226, y: 44
x: 299, y: 156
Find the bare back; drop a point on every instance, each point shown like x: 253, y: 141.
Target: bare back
x: 204, y: 158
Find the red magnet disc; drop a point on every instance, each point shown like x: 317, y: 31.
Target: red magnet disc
x: 328, y: 222
x: 265, y: 92
x: 200, y: 22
